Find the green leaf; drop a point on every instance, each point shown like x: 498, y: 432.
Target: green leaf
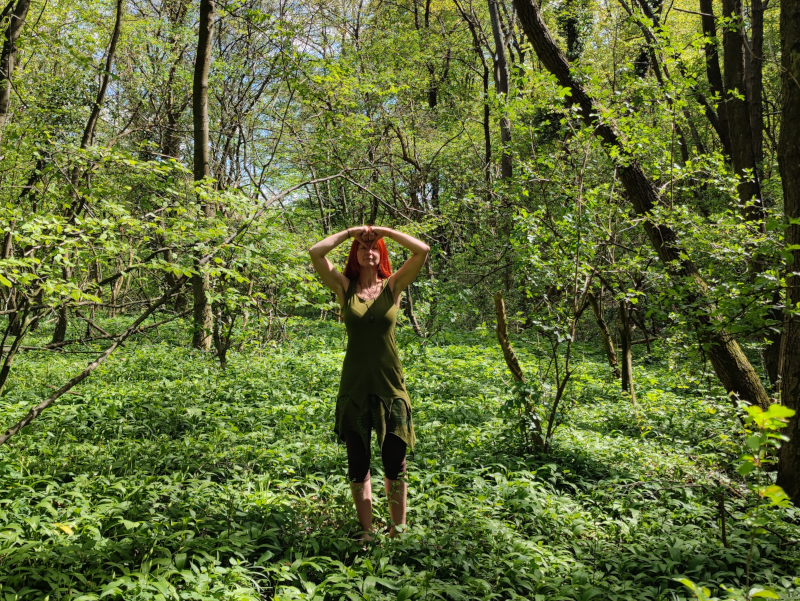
x: 406, y: 592
x: 776, y: 495
x: 779, y: 411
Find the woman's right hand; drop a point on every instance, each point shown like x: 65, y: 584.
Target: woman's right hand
x: 364, y: 235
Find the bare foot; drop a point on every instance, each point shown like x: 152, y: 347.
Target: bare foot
x: 366, y: 537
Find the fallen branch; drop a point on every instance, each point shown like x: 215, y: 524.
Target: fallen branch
x: 68, y: 392
x: 37, y: 410
x: 58, y: 345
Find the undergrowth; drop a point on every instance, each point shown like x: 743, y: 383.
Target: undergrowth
x: 164, y: 478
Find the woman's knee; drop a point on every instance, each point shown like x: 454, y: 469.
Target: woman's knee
x: 393, y: 455
x: 357, y: 458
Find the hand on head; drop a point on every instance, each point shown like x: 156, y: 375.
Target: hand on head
x: 366, y: 236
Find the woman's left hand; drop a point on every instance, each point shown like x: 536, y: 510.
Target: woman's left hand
x: 372, y: 235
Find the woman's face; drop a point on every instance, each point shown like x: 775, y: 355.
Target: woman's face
x: 368, y: 257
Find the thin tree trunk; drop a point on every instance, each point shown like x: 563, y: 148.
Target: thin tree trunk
x: 487, y: 135
x: 755, y: 90
x: 743, y: 84
x: 643, y: 325
x: 501, y: 78
x: 789, y: 153
x: 714, y: 74
x: 502, y: 337
x: 170, y: 140
x: 730, y: 363
x: 755, y: 81
x: 8, y: 59
x: 60, y: 330
x: 24, y: 322
x: 738, y: 106
x: 409, y: 311
x: 625, y: 349
x: 203, y: 318
x: 608, y: 343
x: 132, y: 329
x: 91, y: 124
x: 569, y: 22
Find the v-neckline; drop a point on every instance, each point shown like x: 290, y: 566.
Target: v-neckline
x: 377, y: 296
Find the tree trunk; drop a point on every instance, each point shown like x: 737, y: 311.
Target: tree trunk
x: 738, y: 106
x: 501, y: 78
x: 62, y: 317
x: 37, y: 300
x: 60, y: 331
x: 203, y: 318
x: 569, y: 25
x: 502, y: 337
x: 730, y: 364
x: 625, y: 349
x: 8, y: 59
x: 409, y: 311
x: 86, y: 140
x: 91, y: 124
x: 608, y: 343
x: 755, y: 82
x: 743, y: 86
x: 170, y: 140
x: 720, y: 122
x: 789, y: 153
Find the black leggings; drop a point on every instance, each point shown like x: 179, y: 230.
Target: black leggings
x: 393, y: 455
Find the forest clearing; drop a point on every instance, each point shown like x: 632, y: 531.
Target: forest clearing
x: 400, y: 299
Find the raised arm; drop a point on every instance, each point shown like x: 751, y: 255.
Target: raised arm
x: 408, y: 272
x: 327, y: 272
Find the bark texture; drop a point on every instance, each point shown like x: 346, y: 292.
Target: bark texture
x: 8, y: 59
x: 203, y: 317
x: 789, y: 153
x: 730, y: 364
x: 714, y: 74
x: 501, y: 77
x: 625, y: 343
x: 738, y: 107
x: 91, y: 124
x: 502, y: 337
x: 755, y: 79
x: 408, y: 309
x: 608, y: 343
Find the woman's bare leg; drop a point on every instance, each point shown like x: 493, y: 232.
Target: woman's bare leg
x: 396, y: 491
x: 362, y: 497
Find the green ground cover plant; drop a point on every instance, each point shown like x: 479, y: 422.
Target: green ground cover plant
x: 163, y: 477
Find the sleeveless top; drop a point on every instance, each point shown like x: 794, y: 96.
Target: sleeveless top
x: 372, y: 389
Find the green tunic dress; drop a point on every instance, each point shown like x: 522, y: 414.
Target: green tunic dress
x: 372, y: 392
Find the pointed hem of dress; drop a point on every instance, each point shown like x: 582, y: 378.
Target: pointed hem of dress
x: 391, y: 417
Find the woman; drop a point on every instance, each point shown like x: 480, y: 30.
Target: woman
x: 372, y: 391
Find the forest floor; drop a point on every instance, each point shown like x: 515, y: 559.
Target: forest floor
x: 164, y: 478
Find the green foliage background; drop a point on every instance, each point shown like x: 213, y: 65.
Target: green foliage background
x: 165, y: 478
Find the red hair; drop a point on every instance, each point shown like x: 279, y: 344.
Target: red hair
x: 352, y: 270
